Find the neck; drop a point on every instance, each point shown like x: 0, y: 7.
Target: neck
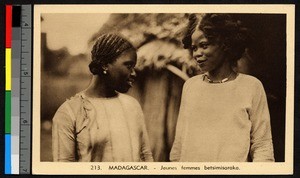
x: 221, y: 72
x: 99, y: 88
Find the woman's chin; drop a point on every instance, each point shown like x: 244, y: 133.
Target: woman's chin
x: 123, y: 89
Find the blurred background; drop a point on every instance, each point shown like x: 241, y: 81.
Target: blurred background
x: 163, y: 66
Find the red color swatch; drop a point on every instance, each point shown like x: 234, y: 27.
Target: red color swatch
x: 8, y: 25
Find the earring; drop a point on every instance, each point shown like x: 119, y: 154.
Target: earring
x: 104, y: 72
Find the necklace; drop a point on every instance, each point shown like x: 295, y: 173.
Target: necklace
x: 205, y: 76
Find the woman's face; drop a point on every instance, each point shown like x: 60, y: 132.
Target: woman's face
x: 121, y: 73
x: 209, y: 56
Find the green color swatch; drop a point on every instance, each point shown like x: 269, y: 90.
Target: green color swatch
x: 7, y: 112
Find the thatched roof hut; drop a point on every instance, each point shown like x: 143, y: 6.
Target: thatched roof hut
x: 157, y: 38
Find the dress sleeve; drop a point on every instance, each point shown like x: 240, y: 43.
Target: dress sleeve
x: 261, y: 138
x: 63, y: 137
x: 175, y: 153
x: 146, y: 148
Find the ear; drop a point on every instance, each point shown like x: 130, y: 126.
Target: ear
x: 104, y: 66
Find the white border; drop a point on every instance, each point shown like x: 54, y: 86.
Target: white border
x: 154, y: 168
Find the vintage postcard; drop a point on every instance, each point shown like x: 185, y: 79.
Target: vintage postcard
x: 163, y: 89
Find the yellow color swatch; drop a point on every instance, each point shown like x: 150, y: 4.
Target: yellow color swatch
x: 8, y: 69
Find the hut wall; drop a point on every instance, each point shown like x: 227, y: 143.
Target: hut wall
x: 160, y: 99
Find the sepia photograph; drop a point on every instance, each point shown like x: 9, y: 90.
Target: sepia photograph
x: 132, y: 89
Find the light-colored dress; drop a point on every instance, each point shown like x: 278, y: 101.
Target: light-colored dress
x: 224, y: 122
x: 100, y: 130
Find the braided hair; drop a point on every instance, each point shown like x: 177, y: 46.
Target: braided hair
x: 222, y: 29
x: 106, y: 50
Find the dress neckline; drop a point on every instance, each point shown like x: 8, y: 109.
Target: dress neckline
x: 222, y: 83
x: 100, y: 98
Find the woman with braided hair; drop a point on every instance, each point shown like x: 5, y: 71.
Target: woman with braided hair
x: 100, y: 123
x: 224, y: 114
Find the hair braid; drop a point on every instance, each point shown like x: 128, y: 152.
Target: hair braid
x: 106, y: 50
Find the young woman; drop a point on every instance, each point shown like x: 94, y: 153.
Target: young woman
x: 100, y: 123
x: 224, y: 114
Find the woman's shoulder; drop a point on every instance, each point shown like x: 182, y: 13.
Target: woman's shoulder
x: 74, y: 102
x: 191, y: 82
x: 193, y: 79
x: 67, y: 109
x: 250, y: 82
x: 245, y: 78
x: 75, y: 98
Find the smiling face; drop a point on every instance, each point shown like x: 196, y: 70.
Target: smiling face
x: 121, y: 73
x: 209, y: 55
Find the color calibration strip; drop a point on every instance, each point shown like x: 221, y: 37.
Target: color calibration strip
x: 18, y: 89
x: 8, y: 32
